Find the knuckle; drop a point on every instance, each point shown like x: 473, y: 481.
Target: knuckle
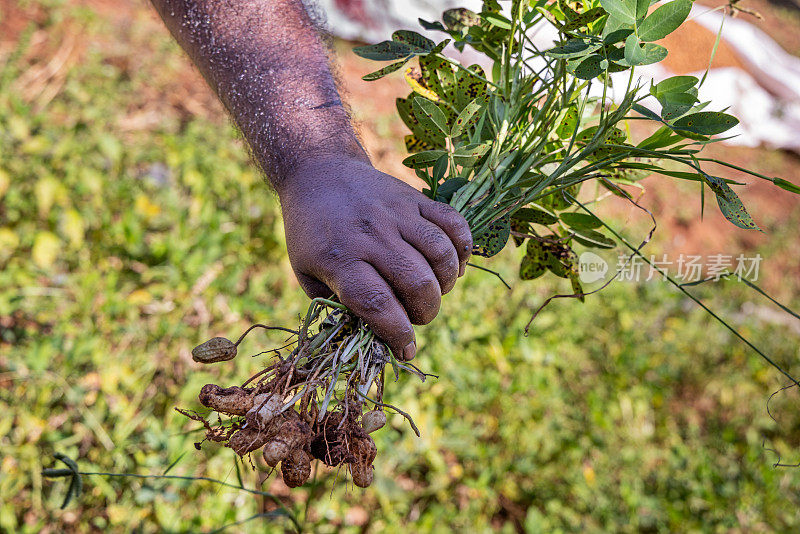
x: 336, y: 253
x: 444, y: 256
x: 451, y: 215
x: 375, y: 302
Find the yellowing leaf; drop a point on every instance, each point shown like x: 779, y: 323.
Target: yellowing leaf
x: 9, y: 241
x: 5, y: 182
x: 419, y: 88
x: 18, y: 127
x: 48, y: 191
x: 139, y: 297
x: 145, y: 208
x: 73, y: 227
x: 46, y: 246
x: 589, y: 475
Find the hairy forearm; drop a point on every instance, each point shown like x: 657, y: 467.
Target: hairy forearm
x: 267, y: 63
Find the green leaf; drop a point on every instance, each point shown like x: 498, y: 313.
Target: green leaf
x: 469, y: 154
x: 497, y: 19
x: 534, y: 215
x: 653, y: 53
x: 641, y: 9
x: 435, y: 25
x: 440, y: 168
x: 493, y: 239
x: 587, y: 68
x: 706, y: 123
x: 634, y: 55
x: 385, y: 51
x: 729, y: 204
x: 388, y: 69
x: 637, y: 53
x: 674, y: 105
x: 664, y: 20
x: 419, y: 44
x: 675, y: 84
x: 622, y: 10
x: 449, y: 188
x: 463, y: 118
x: 580, y: 220
x: 592, y: 238
x: 617, y: 36
x: 615, y: 30
x: 423, y: 159
x: 438, y: 76
x: 787, y: 185
x: 646, y: 112
x: 573, y: 48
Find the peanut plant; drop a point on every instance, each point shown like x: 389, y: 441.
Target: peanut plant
x: 511, y: 150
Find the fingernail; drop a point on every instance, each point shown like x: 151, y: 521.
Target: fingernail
x: 410, y: 351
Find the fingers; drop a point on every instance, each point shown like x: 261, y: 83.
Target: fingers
x: 410, y: 276
x: 454, y: 225
x: 313, y: 287
x: 367, y: 294
x: 438, y: 250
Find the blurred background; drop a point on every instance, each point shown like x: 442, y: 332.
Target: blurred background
x: 133, y: 227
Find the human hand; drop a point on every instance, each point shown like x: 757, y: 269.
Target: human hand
x: 384, y: 248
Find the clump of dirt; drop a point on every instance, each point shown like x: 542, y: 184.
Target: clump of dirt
x: 310, y: 405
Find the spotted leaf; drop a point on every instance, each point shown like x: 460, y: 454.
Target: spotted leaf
x: 469, y: 87
x: 417, y: 43
x: 416, y: 145
x: 460, y: 18
x: 462, y: 121
x: 423, y: 159
x: 385, y: 51
x: 730, y: 205
x: 388, y: 69
x: 431, y: 136
x: 531, y: 268
x: 430, y: 115
x: 705, y: 123
x: 492, y: 239
x: 534, y: 215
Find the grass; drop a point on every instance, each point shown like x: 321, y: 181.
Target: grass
x: 123, y: 248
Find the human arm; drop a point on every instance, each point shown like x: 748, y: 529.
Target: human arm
x: 386, y: 250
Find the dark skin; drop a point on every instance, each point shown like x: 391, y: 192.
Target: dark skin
x: 388, y: 252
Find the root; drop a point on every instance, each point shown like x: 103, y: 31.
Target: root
x: 307, y: 403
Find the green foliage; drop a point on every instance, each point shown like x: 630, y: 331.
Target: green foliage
x: 627, y: 414
x: 543, y: 131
